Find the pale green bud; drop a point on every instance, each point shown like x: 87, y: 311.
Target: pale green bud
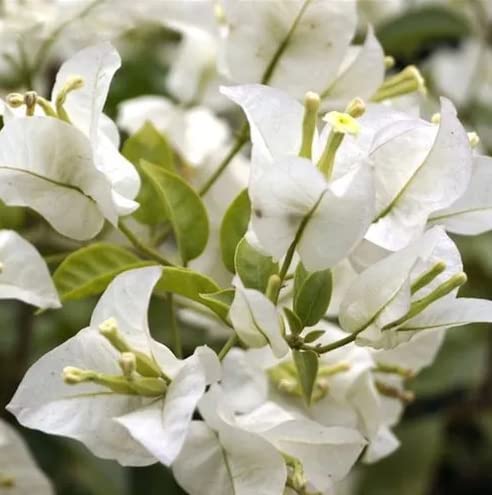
x: 356, y: 108
x: 128, y: 364
x: 311, y: 108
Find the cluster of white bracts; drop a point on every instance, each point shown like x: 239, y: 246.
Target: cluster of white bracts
x: 381, y: 216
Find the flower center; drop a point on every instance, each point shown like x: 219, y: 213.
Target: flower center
x: 141, y: 374
x: 286, y: 379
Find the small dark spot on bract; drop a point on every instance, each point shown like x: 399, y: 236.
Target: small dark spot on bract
x: 258, y: 213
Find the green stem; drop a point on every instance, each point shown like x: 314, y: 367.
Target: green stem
x: 334, y: 345
x: 292, y: 248
x: 231, y: 342
x: 236, y: 148
x: 175, y: 331
x: 143, y: 248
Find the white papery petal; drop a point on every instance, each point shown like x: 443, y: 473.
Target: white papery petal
x: 84, y: 412
x: 24, y: 274
x: 162, y: 426
x: 245, y: 386
x: 234, y: 461
x: 362, y: 76
x: 97, y: 65
x: 47, y: 165
x: 256, y: 321
x: 275, y: 122
x: 413, y: 180
x: 17, y: 463
x: 133, y: 113
x: 339, y: 222
x: 312, y: 37
x: 127, y: 300
x: 326, y: 453
x: 122, y: 175
x: 471, y: 214
x: 417, y: 354
x: 281, y: 198
x: 192, y: 65
x: 381, y: 446
x: 373, y: 291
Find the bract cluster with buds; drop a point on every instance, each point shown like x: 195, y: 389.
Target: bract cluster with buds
x: 312, y: 248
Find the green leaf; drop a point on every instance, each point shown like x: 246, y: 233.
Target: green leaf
x: 194, y: 286
x: 150, y: 145
x: 312, y: 294
x: 307, y: 368
x: 234, y: 226
x: 89, y: 270
x: 254, y: 269
x: 411, y: 34
x: 184, y: 209
x: 313, y: 336
x: 295, y: 324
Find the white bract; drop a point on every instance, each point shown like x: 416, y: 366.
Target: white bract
x: 471, y: 214
x: 290, y: 197
x: 419, y: 168
x: 88, y: 389
x: 69, y: 169
x: 19, y: 474
x: 297, y: 45
x: 267, y: 439
x: 256, y: 321
x: 410, y: 291
x: 24, y: 274
x: 344, y: 393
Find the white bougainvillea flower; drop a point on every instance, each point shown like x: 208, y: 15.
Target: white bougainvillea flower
x: 471, y: 214
x: 288, y: 191
x: 326, y: 454
x: 47, y: 165
x: 79, y: 163
x: 96, y: 65
x: 19, y: 474
x: 113, y: 387
x: 24, y: 274
x: 256, y: 321
x: 345, y: 391
x: 410, y: 291
x: 297, y: 46
x: 294, y: 199
x: 419, y: 168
